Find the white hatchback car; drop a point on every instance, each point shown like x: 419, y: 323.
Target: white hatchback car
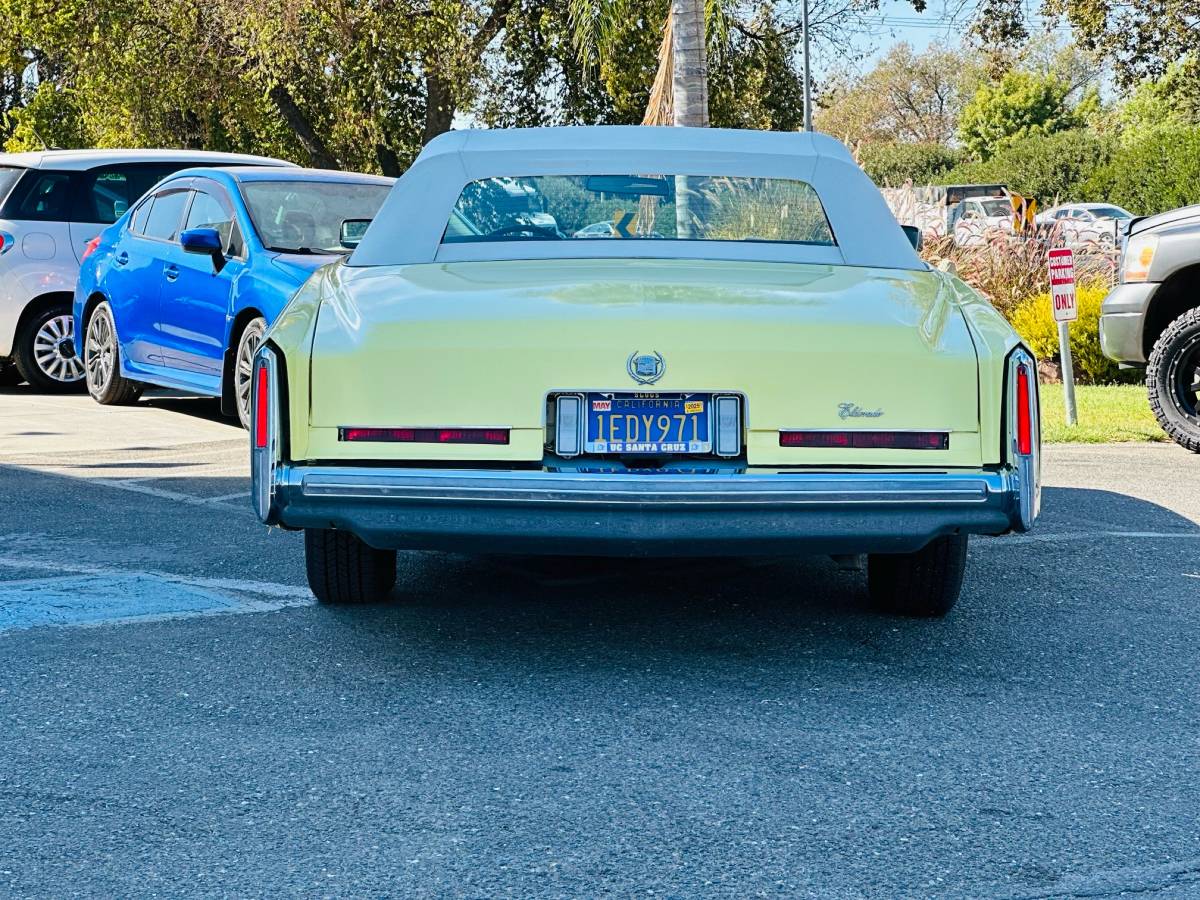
x: 52, y: 203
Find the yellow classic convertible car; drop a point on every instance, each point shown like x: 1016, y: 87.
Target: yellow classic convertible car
x: 745, y: 356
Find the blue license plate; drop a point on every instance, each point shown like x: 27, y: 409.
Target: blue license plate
x: 649, y: 423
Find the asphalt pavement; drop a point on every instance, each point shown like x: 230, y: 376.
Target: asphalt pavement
x: 178, y: 718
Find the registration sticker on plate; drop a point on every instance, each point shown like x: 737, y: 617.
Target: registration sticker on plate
x: 649, y: 423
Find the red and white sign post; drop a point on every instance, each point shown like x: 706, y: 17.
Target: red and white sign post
x: 1062, y: 297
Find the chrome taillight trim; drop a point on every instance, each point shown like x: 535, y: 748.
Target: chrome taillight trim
x: 727, y: 435
x: 265, y: 460
x: 1027, y: 466
x: 569, y: 427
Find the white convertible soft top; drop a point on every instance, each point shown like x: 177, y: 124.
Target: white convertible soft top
x: 408, y: 228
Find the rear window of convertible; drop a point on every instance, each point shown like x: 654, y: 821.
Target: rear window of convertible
x: 639, y: 207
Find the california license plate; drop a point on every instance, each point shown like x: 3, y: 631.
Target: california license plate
x: 649, y: 423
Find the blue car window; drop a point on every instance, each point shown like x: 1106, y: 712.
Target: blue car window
x: 165, y: 215
x: 137, y: 221
x: 208, y: 212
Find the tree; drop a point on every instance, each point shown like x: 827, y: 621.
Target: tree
x: 534, y: 75
x: 679, y: 93
x: 907, y: 96
x: 754, y: 81
x: 1170, y: 102
x: 750, y: 48
x: 1019, y: 105
x: 1053, y: 168
x: 688, y: 63
x: 1141, y: 38
x: 334, y: 83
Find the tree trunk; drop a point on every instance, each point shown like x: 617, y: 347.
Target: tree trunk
x: 389, y: 163
x: 318, y: 153
x: 690, y: 76
x: 439, y: 107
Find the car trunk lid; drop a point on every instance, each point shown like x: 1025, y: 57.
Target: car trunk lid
x: 484, y: 344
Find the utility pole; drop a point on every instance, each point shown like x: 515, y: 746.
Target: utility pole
x: 807, y: 72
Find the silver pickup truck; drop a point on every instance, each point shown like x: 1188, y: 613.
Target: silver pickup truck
x: 1152, y: 317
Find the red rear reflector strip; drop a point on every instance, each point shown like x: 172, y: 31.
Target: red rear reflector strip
x: 262, y: 400
x: 870, y: 440
x: 1024, y: 406
x: 426, y: 435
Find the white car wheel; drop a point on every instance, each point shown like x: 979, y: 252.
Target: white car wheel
x: 45, y: 351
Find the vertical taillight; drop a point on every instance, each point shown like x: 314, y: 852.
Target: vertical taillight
x: 265, y: 443
x: 1024, y: 410
x: 90, y: 248
x: 262, y: 406
x: 1022, y: 451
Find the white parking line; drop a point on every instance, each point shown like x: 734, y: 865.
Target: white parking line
x: 265, y: 588
x: 80, y: 596
x: 135, y: 486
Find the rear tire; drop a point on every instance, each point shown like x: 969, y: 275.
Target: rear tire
x: 342, y: 569
x: 924, y: 584
x: 1173, y: 380
x: 102, y: 361
x: 45, y: 351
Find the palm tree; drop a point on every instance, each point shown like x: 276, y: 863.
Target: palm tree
x: 688, y: 62
x: 679, y: 95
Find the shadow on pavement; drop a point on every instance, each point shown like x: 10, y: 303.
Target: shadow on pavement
x: 744, y: 605
x: 189, y: 405
x: 161, y: 398
x: 541, y: 613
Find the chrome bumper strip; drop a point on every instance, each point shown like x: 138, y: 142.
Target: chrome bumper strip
x: 558, y: 488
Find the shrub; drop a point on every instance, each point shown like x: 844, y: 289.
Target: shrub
x: 891, y: 163
x: 1053, y: 168
x: 1008, y: 271
x: 1033, y: 319
x: 1153, y: 173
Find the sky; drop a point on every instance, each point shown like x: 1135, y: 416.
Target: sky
x: 944, y: 21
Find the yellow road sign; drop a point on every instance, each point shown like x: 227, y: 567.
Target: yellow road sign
x: 623, y: 223
x: 1024, y: 212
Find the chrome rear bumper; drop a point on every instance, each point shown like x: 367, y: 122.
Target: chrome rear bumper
x: 749, y: 513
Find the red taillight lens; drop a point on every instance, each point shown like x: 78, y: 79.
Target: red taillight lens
x: 872, y: 440
x: 426, y: 435
x: 262, y: 403
x: 90, y: 248
x: 1024, y: 411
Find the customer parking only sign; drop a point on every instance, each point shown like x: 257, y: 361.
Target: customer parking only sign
x: 1062, y: 284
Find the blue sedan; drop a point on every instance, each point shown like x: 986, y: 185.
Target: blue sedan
x: 180, y: 290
